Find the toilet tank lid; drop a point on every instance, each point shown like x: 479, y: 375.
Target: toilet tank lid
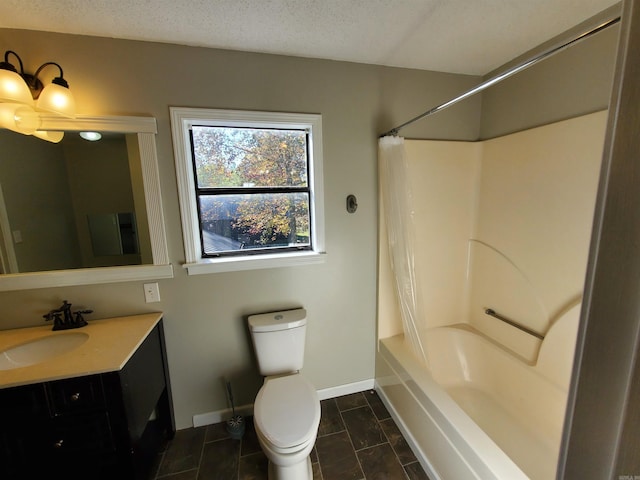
x: 273, y: 321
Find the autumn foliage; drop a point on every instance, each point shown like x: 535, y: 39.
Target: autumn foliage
x: 252, y: 186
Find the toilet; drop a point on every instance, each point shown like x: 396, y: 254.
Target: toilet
x: 286, y: 412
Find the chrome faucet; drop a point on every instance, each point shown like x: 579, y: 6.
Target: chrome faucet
x: 63, y: 318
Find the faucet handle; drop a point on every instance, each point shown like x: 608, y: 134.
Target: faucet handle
x: 57, y: 319
x: 79, y: 320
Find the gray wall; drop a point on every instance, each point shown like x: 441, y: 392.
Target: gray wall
x: 574, y: 82
x: 204, y: 315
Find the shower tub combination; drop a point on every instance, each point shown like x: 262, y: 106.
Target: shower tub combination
x: 500, y: 224
x: 478, y: 410
x: 477, y: 376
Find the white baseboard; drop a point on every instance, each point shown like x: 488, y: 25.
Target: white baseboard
x: 218, y: 416
x: 346, y: 389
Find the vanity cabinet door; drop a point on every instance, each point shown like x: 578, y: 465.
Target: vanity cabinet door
x: 23, y: 412
x: 79, y: 440
x: 80, y: 446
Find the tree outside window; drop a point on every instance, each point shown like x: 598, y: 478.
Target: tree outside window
x: 252, y: 189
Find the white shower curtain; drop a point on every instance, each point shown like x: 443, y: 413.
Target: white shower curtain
x: 399, y: 217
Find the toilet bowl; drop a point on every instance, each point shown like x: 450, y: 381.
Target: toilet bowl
x: 286, y: 419
x: 286, y: 411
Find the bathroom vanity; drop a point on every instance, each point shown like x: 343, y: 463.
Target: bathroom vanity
x: 98, y: 411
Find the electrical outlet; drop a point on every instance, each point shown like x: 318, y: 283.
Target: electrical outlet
x: 151, y: 292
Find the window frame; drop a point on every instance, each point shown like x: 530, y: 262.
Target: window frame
x: 215, y: 191
x: 182, y: 119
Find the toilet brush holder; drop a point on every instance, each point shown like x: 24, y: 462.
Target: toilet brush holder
x: 235, y: 427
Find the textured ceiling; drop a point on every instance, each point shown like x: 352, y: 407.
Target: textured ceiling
x: 460, y: 36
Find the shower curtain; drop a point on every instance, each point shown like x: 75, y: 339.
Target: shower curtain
x: 399, y: 217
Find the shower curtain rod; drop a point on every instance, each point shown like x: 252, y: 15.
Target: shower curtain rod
x: 508, y: 73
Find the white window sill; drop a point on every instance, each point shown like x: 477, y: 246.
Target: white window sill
x: 235, y: 264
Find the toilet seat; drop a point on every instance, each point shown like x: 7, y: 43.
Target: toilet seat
x: 287, y: 411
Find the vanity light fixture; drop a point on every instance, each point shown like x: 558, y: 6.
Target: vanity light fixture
x: 23, y: 97
x: 91, y: 136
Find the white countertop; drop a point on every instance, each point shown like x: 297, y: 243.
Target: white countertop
x: 110, y: 345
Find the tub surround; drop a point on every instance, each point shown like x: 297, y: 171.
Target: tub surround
x: 110, y: 345
x: 536, y: 198
x: 501, y: 224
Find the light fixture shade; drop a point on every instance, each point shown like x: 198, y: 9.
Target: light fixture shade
x: 13, y: 88
x: 53, y: 137
x: 19, y: 118
x: 57, y: 99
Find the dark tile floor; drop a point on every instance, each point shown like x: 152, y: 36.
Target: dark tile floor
x: 357, y: 439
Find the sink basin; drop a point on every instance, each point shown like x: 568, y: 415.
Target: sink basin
x: 40, y: 349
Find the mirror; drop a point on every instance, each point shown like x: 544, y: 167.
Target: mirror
x: 81, y: 212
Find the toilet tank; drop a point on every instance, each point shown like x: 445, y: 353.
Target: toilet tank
x: 278, y: 340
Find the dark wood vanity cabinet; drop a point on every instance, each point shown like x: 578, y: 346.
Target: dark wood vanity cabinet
x: 104, y: 426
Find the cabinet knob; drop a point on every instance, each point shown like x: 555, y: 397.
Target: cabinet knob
x: 59, y: 443
x: 75, y: 397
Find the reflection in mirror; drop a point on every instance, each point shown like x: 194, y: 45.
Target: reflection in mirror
x: 81, y: 212
x: 114, y: 234
x: 59, y: 200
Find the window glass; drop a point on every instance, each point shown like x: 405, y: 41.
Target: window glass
x: 267, y: 220
x: 249, y: 157
x: 252, y: 189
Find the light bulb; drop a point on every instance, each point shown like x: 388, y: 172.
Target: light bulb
x: 91, y: 136
x: 57, y: 99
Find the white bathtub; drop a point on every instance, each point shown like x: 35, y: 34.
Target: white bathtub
x: 477, y: 411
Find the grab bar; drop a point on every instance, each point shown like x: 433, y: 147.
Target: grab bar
x: 491, y: 312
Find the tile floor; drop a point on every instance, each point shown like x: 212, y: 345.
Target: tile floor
x: 357, y: 439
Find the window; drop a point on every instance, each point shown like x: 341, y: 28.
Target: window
x: 252, y: 189
x: 250, y: 186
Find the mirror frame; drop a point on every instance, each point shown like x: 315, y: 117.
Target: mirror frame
x: 146, y: 129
